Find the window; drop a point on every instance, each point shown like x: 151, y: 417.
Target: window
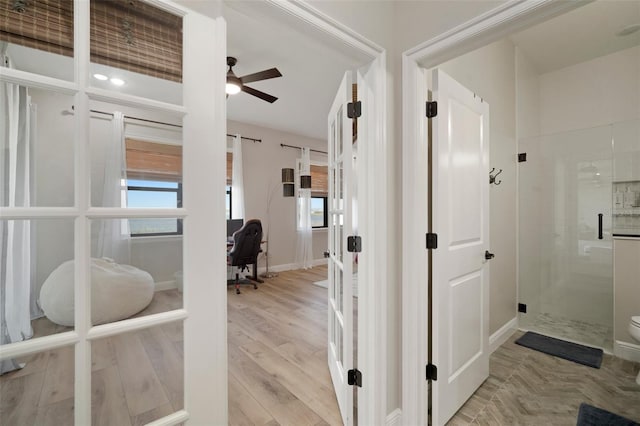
x: 153, y: 193
x: 154, y: 180
x: 319, y: 197
x: 319, y: 216
x: 229, y: 175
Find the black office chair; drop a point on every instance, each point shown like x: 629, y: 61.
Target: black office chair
x: 246, y: 246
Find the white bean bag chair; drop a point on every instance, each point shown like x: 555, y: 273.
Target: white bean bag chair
x: 117, y: 292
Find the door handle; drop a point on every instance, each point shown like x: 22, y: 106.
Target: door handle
x: 600, y: 225
x: 488, y: 255
x: 326, y: 254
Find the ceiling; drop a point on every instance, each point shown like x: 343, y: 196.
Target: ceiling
x: 583, y: 34
x: 312, y: 65
x: 261, y: 36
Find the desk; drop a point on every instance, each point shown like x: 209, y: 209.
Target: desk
x: 254, y: 275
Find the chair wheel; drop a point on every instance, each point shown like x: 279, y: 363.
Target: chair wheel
x: 255, y: 286
x: 237, y: 291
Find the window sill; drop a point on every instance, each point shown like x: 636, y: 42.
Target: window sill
x: 319, y: 229
x: 155, y: 238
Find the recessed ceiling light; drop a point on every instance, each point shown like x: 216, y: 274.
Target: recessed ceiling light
x: 100, y: 77
x: 117, y: 81
x: 628, y: 30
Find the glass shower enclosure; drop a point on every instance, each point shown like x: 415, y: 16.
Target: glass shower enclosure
x: 565, y: 236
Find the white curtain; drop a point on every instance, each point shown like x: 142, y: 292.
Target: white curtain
x: 237, y: 180
x: 304, y: 252
x: 16, y: 131
x: 114, y: 238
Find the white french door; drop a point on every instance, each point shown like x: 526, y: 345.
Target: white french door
x: 340, y: 265
x: 460, y: 211
x: 196, y: 371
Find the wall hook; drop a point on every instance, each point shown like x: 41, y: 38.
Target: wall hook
x: 492, y: 177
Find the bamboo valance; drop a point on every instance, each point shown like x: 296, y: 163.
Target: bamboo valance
x: 126, y: 34
x: 153, y: 161
x: 319, y: 181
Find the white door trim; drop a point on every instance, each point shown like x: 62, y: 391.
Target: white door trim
x: 510, y: 17
x: 374, y: 162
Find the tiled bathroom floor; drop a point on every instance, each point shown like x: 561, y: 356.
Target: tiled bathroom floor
x: 588, y: 333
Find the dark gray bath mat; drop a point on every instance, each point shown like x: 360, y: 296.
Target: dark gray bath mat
x: 572, y: 351
x: 588, y: 415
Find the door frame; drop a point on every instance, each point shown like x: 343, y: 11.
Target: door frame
x: 374, y: 162
x: 510, y: 17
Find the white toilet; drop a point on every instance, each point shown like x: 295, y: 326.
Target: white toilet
x: 634, y: 330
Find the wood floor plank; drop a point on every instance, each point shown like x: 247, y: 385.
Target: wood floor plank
x: 19, y: 399
x: 57, y: 414
x: 108, y: 403
x: 167, y: 364
x: 59, y: 378
x: 152, y: 415
x: 142, y: 388
x: 304, y: 386
x: 243, y: 407
x: 103, y: 354
x: 269, y: 392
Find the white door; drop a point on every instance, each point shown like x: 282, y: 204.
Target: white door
x: 191, y: 386
x: 340, y: 328
x: 460, y: 209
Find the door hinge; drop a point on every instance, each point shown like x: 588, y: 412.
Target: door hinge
x: 354, y: 377
x: 354, y: 244
x: 522, y: 157
x: 522, y: 307
x: 354, y: 109
x: 432, y: 240
x: 432, y: 109
x: 432, y: 372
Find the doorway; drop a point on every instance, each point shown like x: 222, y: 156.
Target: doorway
x: 307, y: 55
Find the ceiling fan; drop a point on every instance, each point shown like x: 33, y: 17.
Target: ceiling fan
x: 236, y: 84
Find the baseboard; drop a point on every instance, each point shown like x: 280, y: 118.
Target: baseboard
x: 166, y: 285
x: 626, y: 350
x: 393, y: 419
x: 498, y: 338
x: 290, y: 266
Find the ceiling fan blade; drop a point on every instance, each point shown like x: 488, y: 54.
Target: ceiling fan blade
x: 262, y: 75
x: 259, y: 94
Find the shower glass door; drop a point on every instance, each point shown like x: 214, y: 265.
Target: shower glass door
x: 565, y: 245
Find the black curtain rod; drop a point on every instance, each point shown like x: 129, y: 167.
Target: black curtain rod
x: 244, y: 137
x: 284, y: 145
x: 163, y: 123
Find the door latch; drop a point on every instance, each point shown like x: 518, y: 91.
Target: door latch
x: 488, y: 255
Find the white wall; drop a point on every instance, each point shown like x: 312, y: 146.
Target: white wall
x: 594, y: 93
x: 262, y: 168
x: 490, y: 73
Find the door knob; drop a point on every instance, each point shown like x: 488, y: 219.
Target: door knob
x: 326, y: 254
x: 488, y: 255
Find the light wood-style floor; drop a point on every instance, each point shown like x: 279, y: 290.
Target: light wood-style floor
x: 278, y: 370
x: 527, y: 387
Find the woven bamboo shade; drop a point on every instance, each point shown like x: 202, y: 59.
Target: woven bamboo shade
x: 229, y: 167
x: 40, y: 24
x: 135, y: 36
x: 153, y: 161
x: 319, y: 181
x: 125, y: 34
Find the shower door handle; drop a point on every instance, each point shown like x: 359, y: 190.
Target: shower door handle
x: 600, y: 215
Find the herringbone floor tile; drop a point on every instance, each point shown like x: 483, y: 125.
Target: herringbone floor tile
x: 526, y: 387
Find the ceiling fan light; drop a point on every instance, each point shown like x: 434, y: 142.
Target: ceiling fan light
x: 232, y: 89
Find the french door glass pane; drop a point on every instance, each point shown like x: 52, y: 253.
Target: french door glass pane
x: 42, y: 392
x: 134, y: 163
x: 39, y: 36
x: 137, y: 377
x: 130, y: 276
x: 136, y: 49
x: 36, y: 159
x: 37, y: 278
